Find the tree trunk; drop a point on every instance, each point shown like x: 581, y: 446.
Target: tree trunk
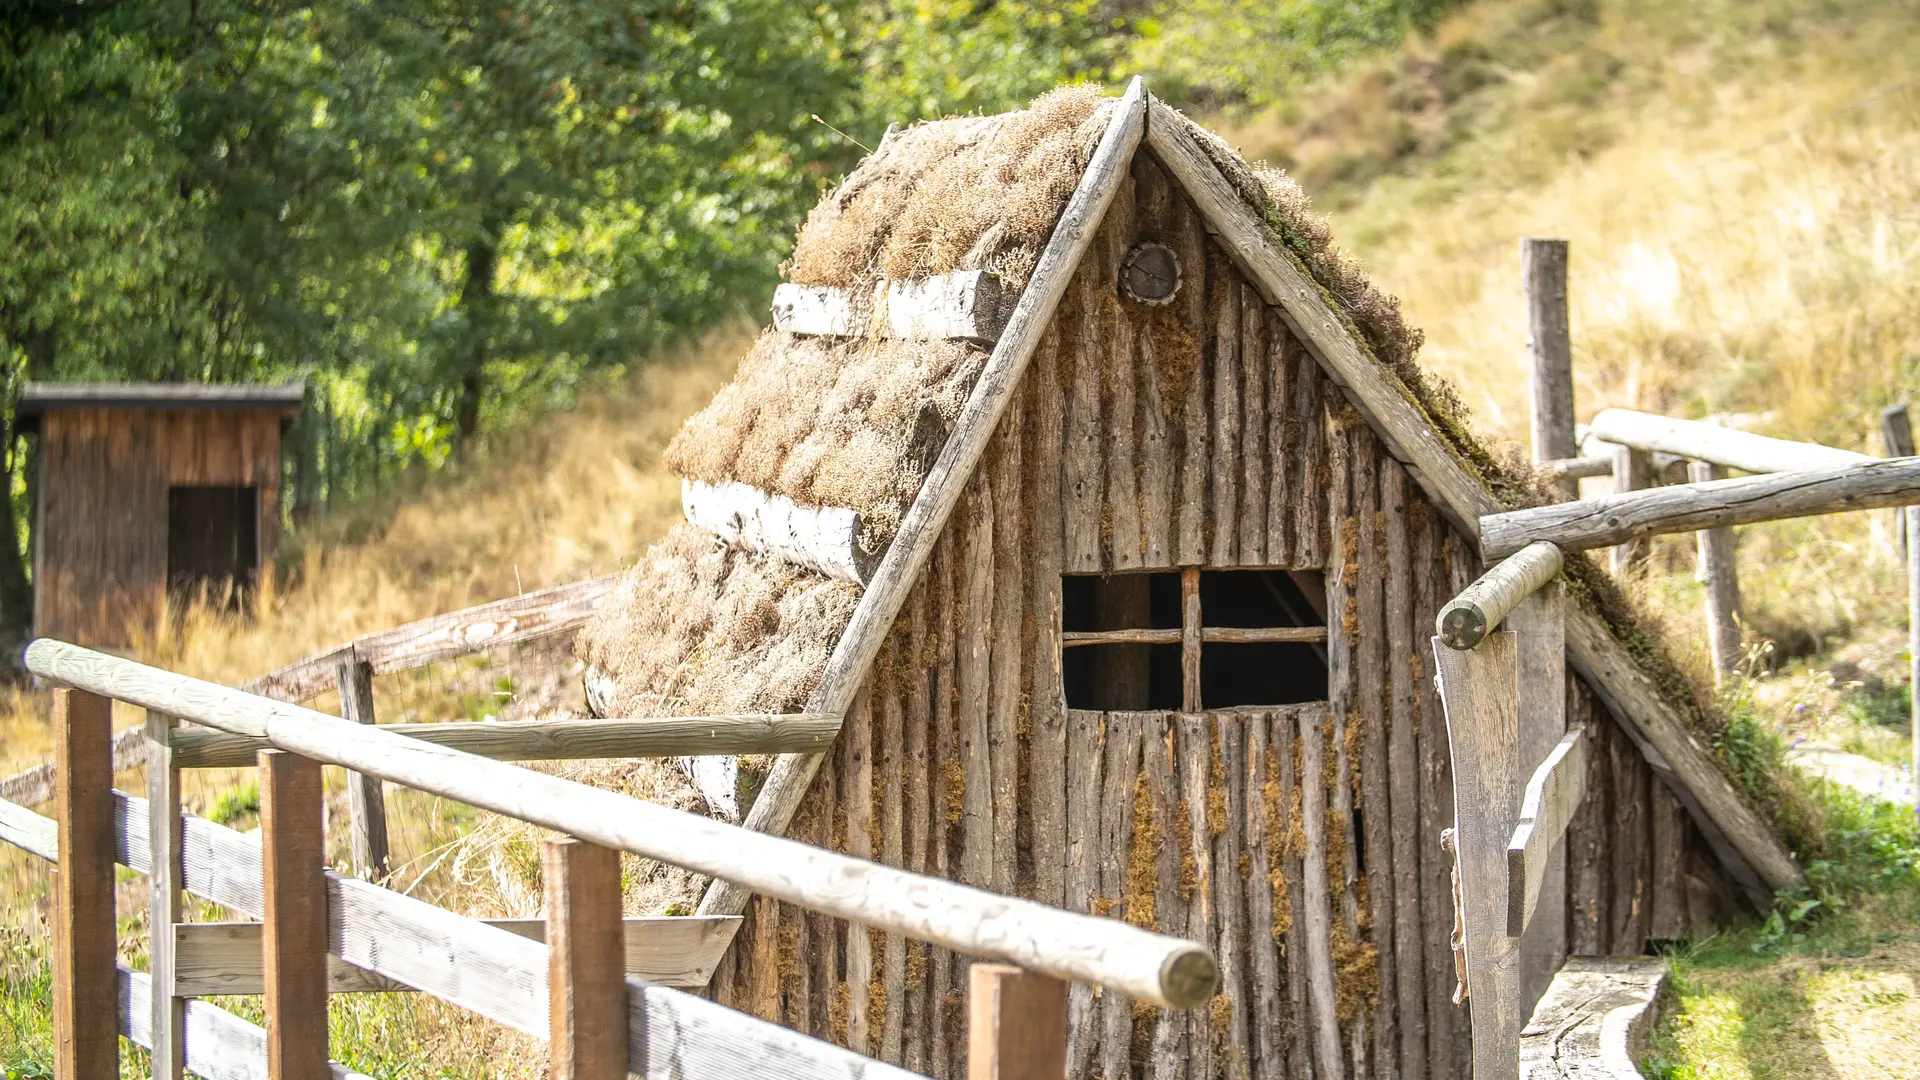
x: 16, y: 593
x: 476, y: 301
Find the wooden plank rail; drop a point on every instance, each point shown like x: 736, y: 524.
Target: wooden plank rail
x: 1613, y: 519
x: 562, y: 740
x: 1576, y: 468
x: 1552, y: 794
x: 1469, y: 617
x: 513, y: 621
x: 1146, y: 966
x: 1699, y: 441
x: 218, y: 1044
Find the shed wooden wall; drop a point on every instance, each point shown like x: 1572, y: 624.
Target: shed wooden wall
x: 1302, y: 843
x: 100, y: 553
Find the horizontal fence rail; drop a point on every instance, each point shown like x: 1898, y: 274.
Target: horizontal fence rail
x: 1871, y: 484
x: 1696, y: 440
x: 562, y: 740
x: 1148, y: 967
x: 515, y: 620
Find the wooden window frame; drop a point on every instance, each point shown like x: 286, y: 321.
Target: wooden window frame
x: 1190, y: 635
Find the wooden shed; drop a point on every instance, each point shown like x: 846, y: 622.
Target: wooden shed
x: 1105, y: 496
x: 145, y: 489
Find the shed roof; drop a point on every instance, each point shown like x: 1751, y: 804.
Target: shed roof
x: 42, y: 397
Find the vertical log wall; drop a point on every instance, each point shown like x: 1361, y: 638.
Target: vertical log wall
x: 1300, y: 842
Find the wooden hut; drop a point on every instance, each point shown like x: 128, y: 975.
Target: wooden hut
x: 147, y: 488
x: 1156, y: 646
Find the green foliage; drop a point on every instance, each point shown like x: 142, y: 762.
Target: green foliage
x: 234, y: 803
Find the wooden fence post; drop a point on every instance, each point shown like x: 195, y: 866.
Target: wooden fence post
x: 1719, y: 575
x: 294, y: 931
x: 1538, y: 622
x: 1480, y: 694
x: 86, y: 1028
x: 1896, y: 435
x: 366, y: 804
x: 1016, y: 1024
x: 163, y: 898
x: 1543, y: 267
x: 586, y: 962
x: 1632, y: 471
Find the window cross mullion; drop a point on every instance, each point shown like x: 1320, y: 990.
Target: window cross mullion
x: 1190, y: 639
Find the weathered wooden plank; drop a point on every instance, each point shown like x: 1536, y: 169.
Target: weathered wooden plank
x: 1667, y: 888
x: 1018, y: 1025
x: 1631, y: 861
x: 1634, y: 515
x: 561, y: 740
x: 1154, y: 209
x: 1403, y: 774
x: 1190, y: 700
x: 1282, y: 437
x: 1191, y: 389
x: 1047, y: 735
x: 1430, y: 585
x: 828, y: 539
x: 1587, y: 855
x: 677, y: 1036
x: 1468, y: 617
x: 1312, y: 469
x: 1121, y: 501
x: 857, y: 798
x: 971, y: 305
x: 586, y: 979
x: 944, y: 1029
x: 293, y: 950
x: 916, y: 805
x: 1375, y: 800
x: 1085, y: 730
x: 1543, y: 269
x: 973, y: 669
x: 169, y: 1018
x: 1228, y: 782
x: 1553, y: 792
x: 1223, y: 287
x: 1595, y: 1020
x: 891, y: 776
x: 527, y: 617
x: 1316, y: 914
x: 1170, y: 910
x: 1252, y: 514
x: 1006, y: 689
x: 1119, y: 776
x: 1481, y: 690
x: 1193, y: 758
x: 1286, y: 807
x: 29, y: 831
x: 85, y: 1040
x: 1082, y: 471
x: 1571, y: 469
x: 1264, y: 982
x: 1700, y: 441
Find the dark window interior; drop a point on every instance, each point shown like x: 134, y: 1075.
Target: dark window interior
x: 1148, y: 676
x: 212, y: 542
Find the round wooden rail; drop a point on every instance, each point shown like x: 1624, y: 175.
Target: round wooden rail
x: 1469, y: 617
x: 1145, y: 966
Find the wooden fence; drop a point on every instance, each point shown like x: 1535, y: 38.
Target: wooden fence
x: 569, y: 979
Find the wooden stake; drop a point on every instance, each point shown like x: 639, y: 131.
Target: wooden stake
x: 1632, y: 471
x: 1896, y: 432
x: 364, y: 798
x: 1543, y: 266
x: 586, y: 972
x: 85, y: 1019
x: 294, y: 934
x: 163, y: 905
x: 1913, y: 629
x: 1016, y: 1025
x: 1718, y: 574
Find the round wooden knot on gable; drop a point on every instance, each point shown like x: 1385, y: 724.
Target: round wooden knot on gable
x: 1151, y: 273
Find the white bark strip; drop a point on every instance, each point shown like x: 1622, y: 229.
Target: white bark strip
x: 968, y: 304
x: 825, y: 539
x: 1147, y: 966
x: 1553, y: 793
x: 1613, y: 519
x: 1726, y: 446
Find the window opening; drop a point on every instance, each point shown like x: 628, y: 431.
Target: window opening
x: 213, y: 546
x: 1193, y: 639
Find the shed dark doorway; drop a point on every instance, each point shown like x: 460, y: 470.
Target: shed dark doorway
x: 213, y: 547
